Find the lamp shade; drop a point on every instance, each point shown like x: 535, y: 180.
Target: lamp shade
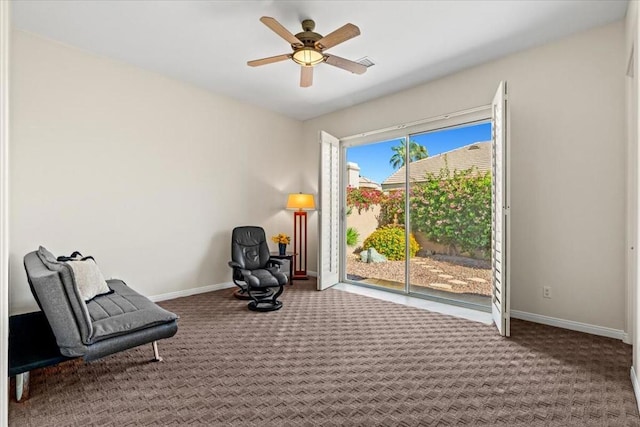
x: 299, y: 201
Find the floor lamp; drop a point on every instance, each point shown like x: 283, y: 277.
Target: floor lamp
x: 300, y: 203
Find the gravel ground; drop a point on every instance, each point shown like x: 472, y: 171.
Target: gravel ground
x: 445, y: 275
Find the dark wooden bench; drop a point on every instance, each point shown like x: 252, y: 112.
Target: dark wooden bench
x: 32, y: 345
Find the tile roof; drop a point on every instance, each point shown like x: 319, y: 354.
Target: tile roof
x: 368, y: 183
x: 477, y: 154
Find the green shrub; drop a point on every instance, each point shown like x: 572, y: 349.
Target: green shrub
x: 352, y: 236
x: 452, y: 208
x: 390, y: 241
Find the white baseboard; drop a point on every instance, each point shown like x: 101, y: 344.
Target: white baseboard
x: 191, y: 291
x: 202, y: 290
x: 636, y: 386
x: 570, y: 324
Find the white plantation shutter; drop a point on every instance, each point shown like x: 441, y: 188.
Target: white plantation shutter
x: 329, y: 222
x: 500, y: 305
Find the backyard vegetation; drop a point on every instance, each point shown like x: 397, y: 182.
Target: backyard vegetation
x: 352, y: 236
x: 363, y: 198
x: 453, y: 209
x: 389, y: 240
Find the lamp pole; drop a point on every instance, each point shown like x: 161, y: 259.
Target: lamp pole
x: 300, y: 203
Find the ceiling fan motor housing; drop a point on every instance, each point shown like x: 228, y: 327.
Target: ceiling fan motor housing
x: 308, y: 37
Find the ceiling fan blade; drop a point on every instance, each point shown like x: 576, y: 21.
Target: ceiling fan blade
x: 306, y: 76
x: 342, y: 34
x: 345, y: 64
x: 269, y: 60
x: 277, y: 28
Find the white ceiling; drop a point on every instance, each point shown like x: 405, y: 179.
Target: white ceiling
x: 208, y: 43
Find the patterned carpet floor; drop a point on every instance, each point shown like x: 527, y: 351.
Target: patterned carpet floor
x: 334, y: 358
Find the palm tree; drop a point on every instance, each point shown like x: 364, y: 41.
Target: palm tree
x: 416, y: 152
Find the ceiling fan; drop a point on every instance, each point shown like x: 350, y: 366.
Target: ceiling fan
x: 308, y: 48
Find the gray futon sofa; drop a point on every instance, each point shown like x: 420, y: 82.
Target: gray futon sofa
x: 104, y: 325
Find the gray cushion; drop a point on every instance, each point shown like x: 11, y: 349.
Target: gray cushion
x: 124, y: 311
x: 48, y: 289
x: 75, y: 300
x: 265, y: 278
x: 46, y: 256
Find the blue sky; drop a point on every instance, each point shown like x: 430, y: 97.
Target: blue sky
x: 373, y: 159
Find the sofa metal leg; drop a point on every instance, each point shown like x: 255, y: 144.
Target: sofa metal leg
x: 22, y: 386
x: 156, y: 355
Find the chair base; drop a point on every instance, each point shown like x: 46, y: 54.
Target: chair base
x: 242, y: 294
x: 265, y: 306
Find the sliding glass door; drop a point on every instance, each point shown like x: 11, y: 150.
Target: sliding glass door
x: 375, y: 219
x: 450, y: 215
x: 418, y: 214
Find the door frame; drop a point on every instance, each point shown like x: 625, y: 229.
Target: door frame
x: 5, y: 32
x: 632, y: 192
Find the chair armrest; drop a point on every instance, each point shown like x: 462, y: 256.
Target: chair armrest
x: 275, y: 261
x: 239, y: 268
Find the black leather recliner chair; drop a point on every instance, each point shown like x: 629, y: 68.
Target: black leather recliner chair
x: 254, y: 271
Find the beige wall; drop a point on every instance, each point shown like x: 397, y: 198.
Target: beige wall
x: 5, y: 33
x: 146, y: 173
x: 366, y: 222
x: 568, y: 145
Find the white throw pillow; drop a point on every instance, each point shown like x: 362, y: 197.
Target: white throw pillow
x: 89, y: 280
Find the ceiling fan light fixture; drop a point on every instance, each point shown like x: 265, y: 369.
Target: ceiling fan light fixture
x: 307, y: 57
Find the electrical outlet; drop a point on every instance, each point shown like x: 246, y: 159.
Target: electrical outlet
x: 546, y: 292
